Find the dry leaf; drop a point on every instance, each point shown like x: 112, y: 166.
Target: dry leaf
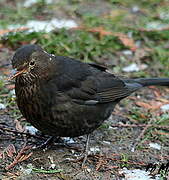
x: 153, y: 105
x: 10, y: 150
x: 5, y: 31
x: 18, y: 126
x: 129, y: 42
x: 143, y: 104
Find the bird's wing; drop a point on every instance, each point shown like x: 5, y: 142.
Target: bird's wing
x: 90, y: 83
x: 96, y: 90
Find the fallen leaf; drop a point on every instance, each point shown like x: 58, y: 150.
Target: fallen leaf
x: 143, y: 104
x: 5, y: 31
x: 18, y: 126
x: 21, y: 156
x: 10, y: 150
x: 161, y: 133
x: 153, y: 105
x: 129, y: 42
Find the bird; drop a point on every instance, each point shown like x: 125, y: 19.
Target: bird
x: 64, y: 97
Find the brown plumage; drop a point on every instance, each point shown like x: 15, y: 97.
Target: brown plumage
x: 61, y: 96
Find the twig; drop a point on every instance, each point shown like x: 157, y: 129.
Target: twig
x: 20, y: 157
x: 17, y: 132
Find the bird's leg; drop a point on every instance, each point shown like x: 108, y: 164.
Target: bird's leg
x: 86, y: 151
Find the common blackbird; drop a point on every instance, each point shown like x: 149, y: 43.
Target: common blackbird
x: 61, y: 96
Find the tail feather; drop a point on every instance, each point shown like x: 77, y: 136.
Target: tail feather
x: 150, y: 81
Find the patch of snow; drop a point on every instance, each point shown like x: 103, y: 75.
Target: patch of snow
x: 94, y: 149
x: 12, y: 92
x: 164, y: 15
x: 127, y: 52
x: 137, y: 174
x: 131, y: 68
x: 155, y: 25
x: 46, y: 26
x: 2, y: 106
x: 31, y: 129
x: 165, y: 107
x: 29, y: 3
x: 134, y: 67
x: 135, y: 9
x: 155, y: 146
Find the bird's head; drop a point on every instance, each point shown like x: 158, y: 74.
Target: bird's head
x: 31, y: 62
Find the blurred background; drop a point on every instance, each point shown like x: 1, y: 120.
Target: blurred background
x: 119, y: 34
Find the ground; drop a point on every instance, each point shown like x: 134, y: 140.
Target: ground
x: 116, y: 34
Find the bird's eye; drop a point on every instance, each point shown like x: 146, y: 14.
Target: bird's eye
x: 32, y: 63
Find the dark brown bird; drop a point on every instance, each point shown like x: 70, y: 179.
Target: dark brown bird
x: 63, y: 97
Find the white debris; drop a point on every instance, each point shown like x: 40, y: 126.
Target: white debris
x: 135, y: 9
x: 165, y: 107
x: 28, y: 170
x: 127, y: 52
x: 2, y: 106
x: 69, y: 140
x: 155, y: 146
x: 143, y: 66
x: 29, y: 3
x: 134, y: 67
x: 164, y: 15
x: 107, y: 142
x: 94, y: 149
x: 12, y: 93
x: 133, y: 149
x: 52, y: 166
x: 137, y: 174
x: 46, y: 26
x: 157, y: 25
x: 31, y: 129
x: 131, y: 68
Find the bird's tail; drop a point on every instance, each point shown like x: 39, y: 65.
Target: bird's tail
x: 149, y: 81
x: 152, y: 81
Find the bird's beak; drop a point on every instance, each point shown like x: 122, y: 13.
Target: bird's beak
x: 16, y: 73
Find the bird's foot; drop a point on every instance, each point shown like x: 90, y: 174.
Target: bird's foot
x: 45, y: 145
